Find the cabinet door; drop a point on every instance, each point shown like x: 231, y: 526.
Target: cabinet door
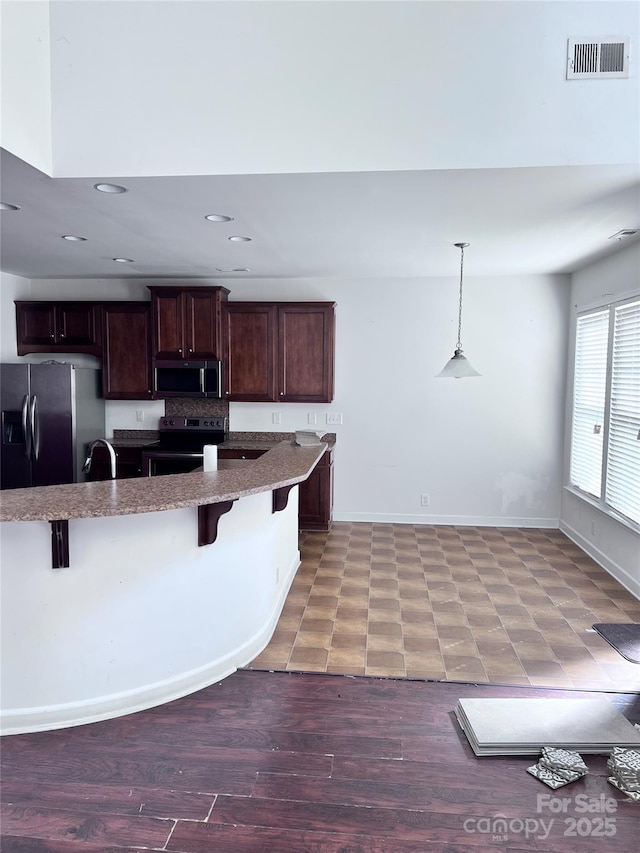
x: 58, y: 327
x: 306, y: 352
x: 250, y: 332
x: 167, y: 308
x: 202, y: 324
x: 126, y: 359
x: 35, y: 325
x: 77, y: 324
x: 238, y: 453
x: 315, y: 501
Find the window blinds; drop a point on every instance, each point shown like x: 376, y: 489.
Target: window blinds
x: 605, y: 432
x: 590, y: 384
x: 623, y: 457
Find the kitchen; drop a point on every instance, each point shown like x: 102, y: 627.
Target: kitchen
x: 203, y: 353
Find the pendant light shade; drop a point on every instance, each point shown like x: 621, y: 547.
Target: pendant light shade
x: 458, y: 366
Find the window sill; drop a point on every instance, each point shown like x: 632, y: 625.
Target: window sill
x: 610, y: 513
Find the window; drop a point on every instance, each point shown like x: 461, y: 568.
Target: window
x: 605, y: 432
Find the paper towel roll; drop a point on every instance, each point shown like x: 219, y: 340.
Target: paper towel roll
x: 210, y: 461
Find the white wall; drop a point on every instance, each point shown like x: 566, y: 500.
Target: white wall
x: 611, y: 543
x: 330, y: 86
x: 486, y: 450
x: 26, y: 82
x: 11, y: 287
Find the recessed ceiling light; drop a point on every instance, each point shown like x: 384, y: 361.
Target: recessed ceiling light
x: 123, y: 260
x: 218, y: 217
x: 238, y: 239
x: 234, y: 269
x: 110, y: 188
x: 72, y: 238
x: 4, y: 205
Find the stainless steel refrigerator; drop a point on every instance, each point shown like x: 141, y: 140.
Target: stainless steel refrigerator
x: 50, y: 413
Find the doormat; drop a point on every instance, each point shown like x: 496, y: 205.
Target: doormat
x: 624, y: 637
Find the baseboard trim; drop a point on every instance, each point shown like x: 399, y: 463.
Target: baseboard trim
x: 630, y: 583
x: 458, y: 520
x: 20, y: 721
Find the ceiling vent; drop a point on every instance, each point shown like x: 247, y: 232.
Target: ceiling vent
x: 601, y: 58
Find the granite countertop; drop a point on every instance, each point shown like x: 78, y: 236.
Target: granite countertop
x: 284, y: 464
x: 235, y: 440
x: 265, y: 440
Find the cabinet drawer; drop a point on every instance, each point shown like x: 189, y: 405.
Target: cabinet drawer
x: 234, y: 453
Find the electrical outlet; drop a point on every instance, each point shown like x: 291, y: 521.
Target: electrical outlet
x: 425, y: 499
x: 334, y: 417
x: 312, y: 418
x: 140, y: 415
x: 276, y: 418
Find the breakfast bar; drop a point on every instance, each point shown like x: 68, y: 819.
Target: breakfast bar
x: 172, y: 583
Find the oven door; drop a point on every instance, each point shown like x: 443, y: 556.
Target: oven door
x: 155, y: 463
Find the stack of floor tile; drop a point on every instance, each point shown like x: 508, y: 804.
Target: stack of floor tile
x: 625, y: 769
x: 524, y: 726
x: 558, y: 767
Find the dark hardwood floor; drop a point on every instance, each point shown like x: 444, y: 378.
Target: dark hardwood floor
x: 300, y: 763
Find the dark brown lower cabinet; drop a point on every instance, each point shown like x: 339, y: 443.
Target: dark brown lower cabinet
x: 316, y: 496
x: 234, y: 453
x: 315, y: 502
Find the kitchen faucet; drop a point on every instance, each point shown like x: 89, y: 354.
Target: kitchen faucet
x: 112, y: 456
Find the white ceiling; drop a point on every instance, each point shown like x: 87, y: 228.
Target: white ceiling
x: 342, y: 225
x: 345, y: 139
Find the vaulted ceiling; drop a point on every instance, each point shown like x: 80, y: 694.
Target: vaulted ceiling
x: 345, y: 139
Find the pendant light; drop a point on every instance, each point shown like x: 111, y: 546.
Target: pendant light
x: 458, y: 366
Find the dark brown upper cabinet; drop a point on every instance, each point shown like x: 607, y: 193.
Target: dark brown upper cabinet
x: 126, y: 365
x: 58, y: 327
x: 279, y: 351
x: 250, y: 331
x: 186, y: 322
x: 306, y: 345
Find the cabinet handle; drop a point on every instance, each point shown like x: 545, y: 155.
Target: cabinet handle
x: 180, y: 351
x: 62, y: 334
x: 52, y: 337
x: 190, y: 350
x: 282, y: 393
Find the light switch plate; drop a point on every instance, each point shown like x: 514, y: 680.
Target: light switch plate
x: 276, y: 418
x: 334, y: 417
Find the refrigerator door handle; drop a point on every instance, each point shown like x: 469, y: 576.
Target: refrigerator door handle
x: 26, y: 426
x: 35, y: 428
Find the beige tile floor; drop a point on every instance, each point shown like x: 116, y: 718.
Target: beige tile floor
x: 500, y: 605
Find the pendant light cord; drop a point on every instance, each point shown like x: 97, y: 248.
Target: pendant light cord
x: 459, y: 344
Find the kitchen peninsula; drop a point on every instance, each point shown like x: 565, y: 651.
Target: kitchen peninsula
x: 143, y: 614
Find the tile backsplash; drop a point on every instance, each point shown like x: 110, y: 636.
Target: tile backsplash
x: 195, y: 408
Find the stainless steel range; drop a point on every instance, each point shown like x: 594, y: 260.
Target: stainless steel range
x: 180, y: 446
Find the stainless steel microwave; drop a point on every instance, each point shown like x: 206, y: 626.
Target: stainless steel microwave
x: 187, y: 379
